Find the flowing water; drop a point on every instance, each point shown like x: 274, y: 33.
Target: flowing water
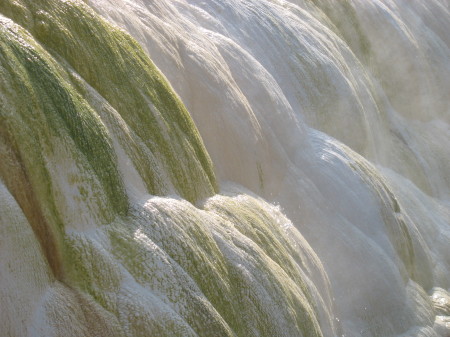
x: 225, y: 168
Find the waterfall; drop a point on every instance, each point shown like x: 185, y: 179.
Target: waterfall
x: 225, y: 168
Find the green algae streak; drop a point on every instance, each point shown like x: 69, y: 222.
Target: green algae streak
x: 112, y: 63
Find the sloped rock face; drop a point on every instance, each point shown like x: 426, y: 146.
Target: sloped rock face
x: 281, y: 169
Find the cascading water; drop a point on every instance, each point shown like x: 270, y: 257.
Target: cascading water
x: 297, y: 183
